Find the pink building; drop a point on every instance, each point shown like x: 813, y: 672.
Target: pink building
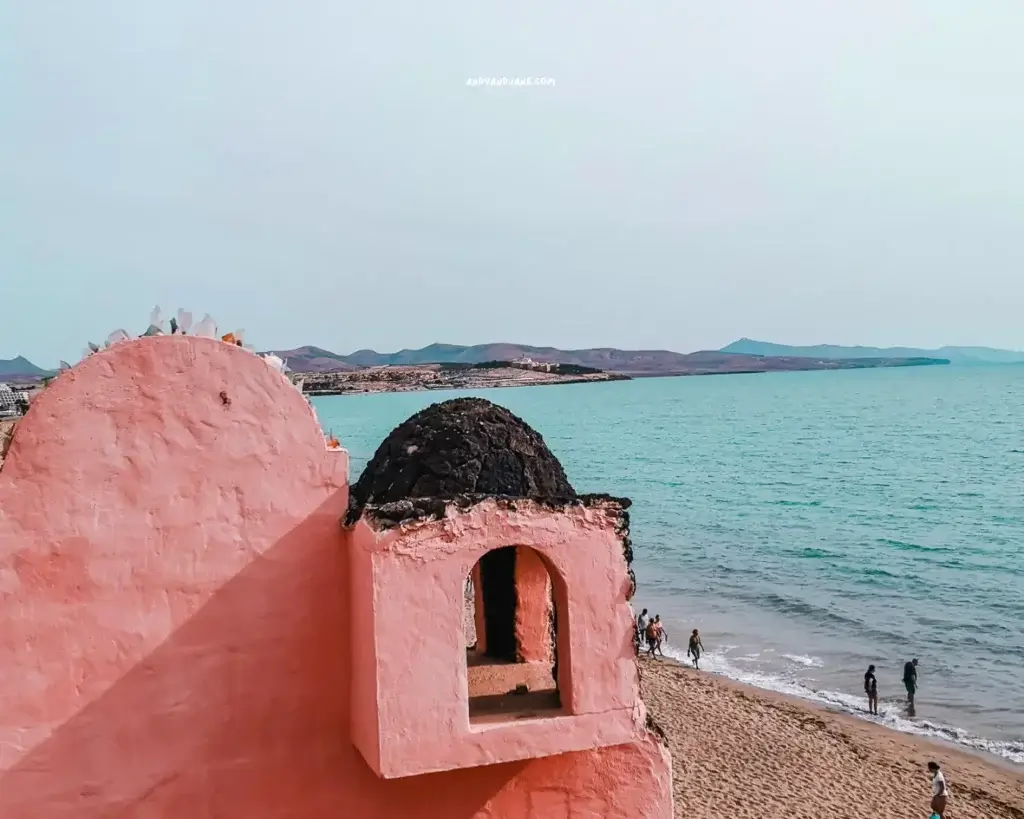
x: 197, y: 623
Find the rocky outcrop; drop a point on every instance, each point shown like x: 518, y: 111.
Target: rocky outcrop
x: 466, y: 446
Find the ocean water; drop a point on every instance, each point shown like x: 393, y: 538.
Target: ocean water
x: 809, y: 524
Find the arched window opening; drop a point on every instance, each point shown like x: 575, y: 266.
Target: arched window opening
x: 511, y: 626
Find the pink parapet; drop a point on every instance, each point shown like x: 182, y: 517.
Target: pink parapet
x: 417, y: 714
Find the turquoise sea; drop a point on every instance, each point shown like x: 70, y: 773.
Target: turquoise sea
x: 809, y: 524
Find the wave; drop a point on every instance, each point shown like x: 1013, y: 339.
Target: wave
x: 792, y: 606
x: 905, y: 546
x: 892, y: 713
x: 801, y: 659
x: 809, y: 551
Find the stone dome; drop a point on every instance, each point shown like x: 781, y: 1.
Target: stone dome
x: 466, y: 446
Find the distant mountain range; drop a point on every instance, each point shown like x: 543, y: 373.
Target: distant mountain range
x: 635, y: 363
x: 745, y: 355
x: 20, y: 367
x: 629, y: 362
x: 955, y: 355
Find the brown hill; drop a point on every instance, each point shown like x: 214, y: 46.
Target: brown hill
x: 310, y: 359
x: 636, y: 363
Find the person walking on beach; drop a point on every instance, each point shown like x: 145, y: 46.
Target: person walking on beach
x: 655, y: 634
x: 652, y: 637
x: 871, y: 689
x: 940, y: 793
x: 641, y: 625
x: 695, y: 647
x: 662, y: 634
x: 910, y: 681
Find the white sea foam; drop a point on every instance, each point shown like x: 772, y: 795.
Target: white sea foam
x: 892, y: 714
x: 810, y: 662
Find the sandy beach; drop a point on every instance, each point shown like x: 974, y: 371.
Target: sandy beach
x: 744, y: 753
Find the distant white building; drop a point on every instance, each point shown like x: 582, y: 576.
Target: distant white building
x: 527, y: 363
x: 9, y: 400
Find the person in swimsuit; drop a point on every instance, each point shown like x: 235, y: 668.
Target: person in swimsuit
x: 695, y: 647
x: 940, y: 793
x: 662, y: 634
x: 871, y: 689
x: 652, y: 637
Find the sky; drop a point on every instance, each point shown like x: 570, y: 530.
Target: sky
x: 799, y: 171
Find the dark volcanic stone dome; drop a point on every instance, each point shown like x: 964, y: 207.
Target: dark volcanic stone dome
x: 467, y: 446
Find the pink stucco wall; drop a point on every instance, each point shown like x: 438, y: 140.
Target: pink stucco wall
x: 533, y: 597
x: 176, y: 634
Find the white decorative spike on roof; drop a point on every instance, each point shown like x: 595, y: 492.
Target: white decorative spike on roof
x: 116, y: 337
x: 274, y: 362
x: 184, y: 320
x: 207, y: 328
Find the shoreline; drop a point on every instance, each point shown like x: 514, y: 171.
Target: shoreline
x: 739, y: 750
x: 422, y: 378
x: 768, y: 661
x: 374, y: 385
x: 483, y: 385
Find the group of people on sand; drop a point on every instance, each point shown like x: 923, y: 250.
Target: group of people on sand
x: 940, y: 791
x: 909, y: 682
x: 651, y: 630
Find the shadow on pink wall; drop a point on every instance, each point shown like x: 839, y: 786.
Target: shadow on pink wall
x: 241, y: 712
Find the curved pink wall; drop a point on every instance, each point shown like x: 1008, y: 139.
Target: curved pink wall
x: 174, y: 618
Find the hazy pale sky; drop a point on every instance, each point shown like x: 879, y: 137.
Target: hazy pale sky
x: 319, y: 172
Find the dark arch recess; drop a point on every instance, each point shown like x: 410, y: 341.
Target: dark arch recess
x: 498, y: 590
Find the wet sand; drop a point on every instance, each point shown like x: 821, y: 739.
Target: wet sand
x: 739, y: 752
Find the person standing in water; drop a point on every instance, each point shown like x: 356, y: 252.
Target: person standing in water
x: 871, y: 689
x: 695, y: 647
x: 910, y: 681
x: 641, y: 625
